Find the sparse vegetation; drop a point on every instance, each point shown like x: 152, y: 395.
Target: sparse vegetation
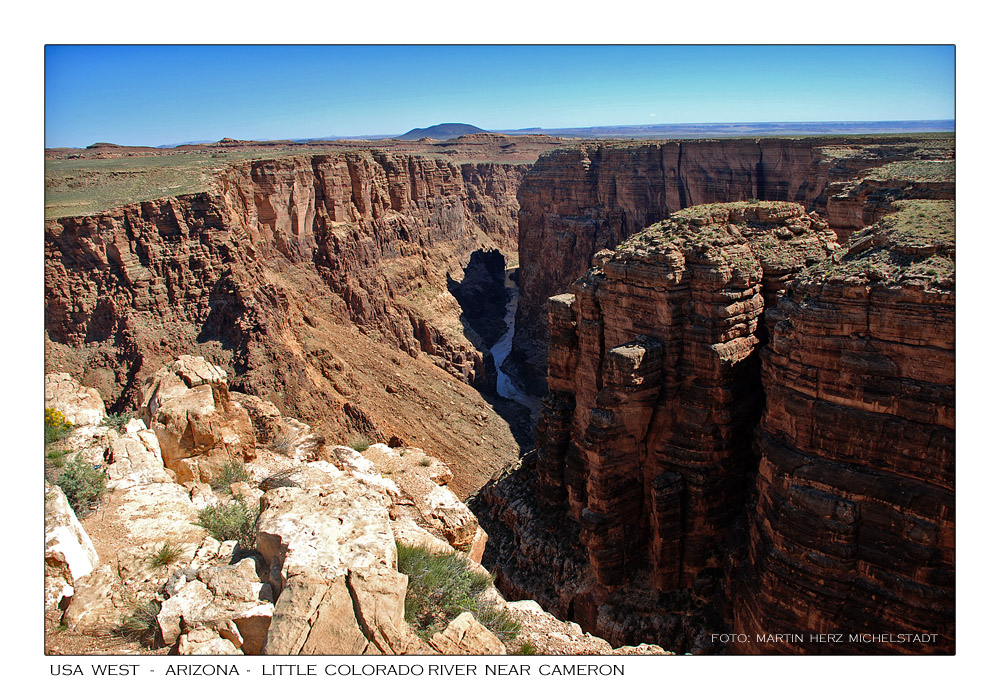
x: 360, y: 444
x: 442, y: 587
x: 169, y: 553
x: 83, y: 484
x: 527, y: 649
x: 56, y: 426
x: 231, y: 521
x: 231, y: 473
x: 140, y: 624
x: 118, y: 421
x: 283, y: 444
x: 56, y: 458
x: 426, y: 462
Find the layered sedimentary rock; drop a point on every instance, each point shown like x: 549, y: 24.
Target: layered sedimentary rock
x: 576, y: 201
x: 852, y: 523
x: 307, y: 279
x: 653, y: 383
x: 645, y: 440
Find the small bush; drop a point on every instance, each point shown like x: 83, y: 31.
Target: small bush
x: 231, y: 473
x: 360, y: 444
x: 118, y: 420
x: 441, y: 587
x: 56, y: 426
x: 283, y: 444
x: 231, y: 521
x: 527, y: 649
x: 140, y: 623
x: 83, y: 484
x: 166, y: 555
x: 426, y: 462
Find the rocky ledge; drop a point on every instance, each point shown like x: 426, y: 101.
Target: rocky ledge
x: 312, y: 566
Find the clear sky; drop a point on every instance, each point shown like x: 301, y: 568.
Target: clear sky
x: 155, y: 95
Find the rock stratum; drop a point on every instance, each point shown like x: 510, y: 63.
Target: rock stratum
x: 314, y: 281
x: 578, y: 200
x: 749, y: 428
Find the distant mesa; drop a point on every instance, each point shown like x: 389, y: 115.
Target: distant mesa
x: 103, y: 144
x: 442, y: 132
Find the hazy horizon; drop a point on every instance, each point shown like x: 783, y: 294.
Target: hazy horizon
x: 100, y: 93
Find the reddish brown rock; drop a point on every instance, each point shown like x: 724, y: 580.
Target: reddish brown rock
x: 312, y: 281
x: 656, y: 353
x: 852, y: 524
x: 576, y: 201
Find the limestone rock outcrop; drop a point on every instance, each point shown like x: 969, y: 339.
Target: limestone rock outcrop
x: 79, y: 405
x: 198, y: 426
x: 69, y: 552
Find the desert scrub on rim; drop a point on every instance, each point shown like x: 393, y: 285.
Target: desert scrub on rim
x: 443, y: 586
x: 231, y: 521
x: 83, y: 484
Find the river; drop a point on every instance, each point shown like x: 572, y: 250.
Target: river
x: 505, y: 385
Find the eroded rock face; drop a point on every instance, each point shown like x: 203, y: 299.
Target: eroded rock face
x: 852, y: 524
x: 647, y: 434
x: 69, y: 553
x: 660, y: 508
x: 198, y: 426
x: 576, y: 201
x: 293, y: 274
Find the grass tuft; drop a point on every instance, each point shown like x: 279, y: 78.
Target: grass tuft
x: 426, y: 462
x: 231, y: 473
x: 83, y: 484
x: 140, y: 623
x: 280, y: 479
x: 118, y: 421
x: 360, y: 444
x: 527, y: 649
x: 166, y: 555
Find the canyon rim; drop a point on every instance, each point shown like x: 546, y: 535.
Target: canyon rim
x: 649, y: 396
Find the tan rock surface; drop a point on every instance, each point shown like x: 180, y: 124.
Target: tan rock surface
x: 69, y: 552
x: 80, y: 405
x: 198, y: 426
x: 464, y: 635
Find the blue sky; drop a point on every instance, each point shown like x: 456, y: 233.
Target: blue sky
x: 153, y: 95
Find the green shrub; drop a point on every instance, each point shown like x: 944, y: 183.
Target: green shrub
x: 527, y: 649
x: 231, y: 473
x: 140, y: 623
x: 231, y: 521
x: 441, y: 587
x: 56, y: 426
x: 426, y: 462
x: 165, y: 555
x: 82, y: 483
x: 118, y: 420
x: 360, y: 444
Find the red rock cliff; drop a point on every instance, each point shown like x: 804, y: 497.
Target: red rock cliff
x: 852, y: 523
x: 576, y: 201
x: 291, y: 274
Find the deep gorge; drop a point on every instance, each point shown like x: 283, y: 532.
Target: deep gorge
x: 697, y: 431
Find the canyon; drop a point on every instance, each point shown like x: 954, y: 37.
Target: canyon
x: 746, y: 408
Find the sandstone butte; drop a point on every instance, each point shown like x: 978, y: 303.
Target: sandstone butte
x: 749, y: 415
